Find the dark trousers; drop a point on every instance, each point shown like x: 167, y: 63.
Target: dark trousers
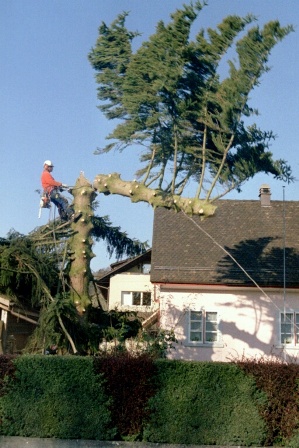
x: 64, y: 209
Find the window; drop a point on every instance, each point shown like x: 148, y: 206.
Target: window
x: 289, y: 328
x: 203, y: 327
x: 136, y: 298
x: 146, y: 268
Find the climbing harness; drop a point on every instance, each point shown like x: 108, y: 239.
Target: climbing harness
x: 44, y: 202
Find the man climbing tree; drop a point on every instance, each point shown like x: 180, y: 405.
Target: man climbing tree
x: 51, y: 192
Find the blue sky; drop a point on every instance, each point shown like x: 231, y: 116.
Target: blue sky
x: 48, y: 103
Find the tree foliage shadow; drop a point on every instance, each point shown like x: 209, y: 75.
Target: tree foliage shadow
x: 265, y: 260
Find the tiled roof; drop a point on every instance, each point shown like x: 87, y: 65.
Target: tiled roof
x: 262, y: 239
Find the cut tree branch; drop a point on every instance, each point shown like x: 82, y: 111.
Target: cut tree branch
x: 137, y: 192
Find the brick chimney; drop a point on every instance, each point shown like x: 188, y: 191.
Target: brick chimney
x: 265, y: 195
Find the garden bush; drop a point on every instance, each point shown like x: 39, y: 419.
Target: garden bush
x: 129, y: 382
x: 206, y: 404
x: 7, y: 369
x: 279, y: 380
x: 128, y: 397
x: 54, y: 396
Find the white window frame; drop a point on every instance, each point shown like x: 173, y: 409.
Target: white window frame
x: 127, y: 298
x: 289, y: 328
x: 199, y: 323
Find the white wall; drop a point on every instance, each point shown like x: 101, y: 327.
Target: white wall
x: 130, y: 282
x: 249, y: 322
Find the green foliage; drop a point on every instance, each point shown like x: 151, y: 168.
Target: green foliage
x: 117, y: 241
x: 156, y: 344
x: 280, y: 382
x: 205, y: 404
x: 7, y: 369
x: 49, y: 331
x: 170, y: 99
x: 122, y: 325
x: 123, y: 330
x: 129, y: 382
x: 25, y: 269
x: 33, y: 272
x: 86, y: 333
x: 55, y: 396
x: 138, y: 398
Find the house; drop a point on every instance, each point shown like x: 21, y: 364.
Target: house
x: 127, y: 287
x: 16, y: 325
x: 228, y: 285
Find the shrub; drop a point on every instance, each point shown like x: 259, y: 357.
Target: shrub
x: 7, y: 369
x: 279, y: 380
x: 129, y: 382
x: 204, y: 404
x: 55, y: 396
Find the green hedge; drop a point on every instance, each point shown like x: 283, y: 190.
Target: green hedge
x: 206, y: 404
x: 161, y: 401
x: 53, y: 396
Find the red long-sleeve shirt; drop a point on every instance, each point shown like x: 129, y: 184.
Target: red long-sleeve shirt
x: 48, y: 181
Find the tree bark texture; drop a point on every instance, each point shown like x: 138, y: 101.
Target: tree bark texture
x: 137, y: 192
x: 81, y: 243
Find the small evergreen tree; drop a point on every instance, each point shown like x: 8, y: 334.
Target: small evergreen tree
x: 35, y: 274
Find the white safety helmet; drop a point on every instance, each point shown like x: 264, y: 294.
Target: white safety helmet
x: 48, y: 162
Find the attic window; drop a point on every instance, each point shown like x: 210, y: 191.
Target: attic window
x: 136, y: 298
x: 146, y: 268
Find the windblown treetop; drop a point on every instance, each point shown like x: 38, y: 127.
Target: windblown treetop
x: 169, y: 98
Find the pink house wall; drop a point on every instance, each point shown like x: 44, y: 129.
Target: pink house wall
x: 248, y: 321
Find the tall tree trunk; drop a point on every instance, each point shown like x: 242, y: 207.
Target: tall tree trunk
x: 81, y: 242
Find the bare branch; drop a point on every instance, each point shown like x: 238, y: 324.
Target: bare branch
x: 113, y: 184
